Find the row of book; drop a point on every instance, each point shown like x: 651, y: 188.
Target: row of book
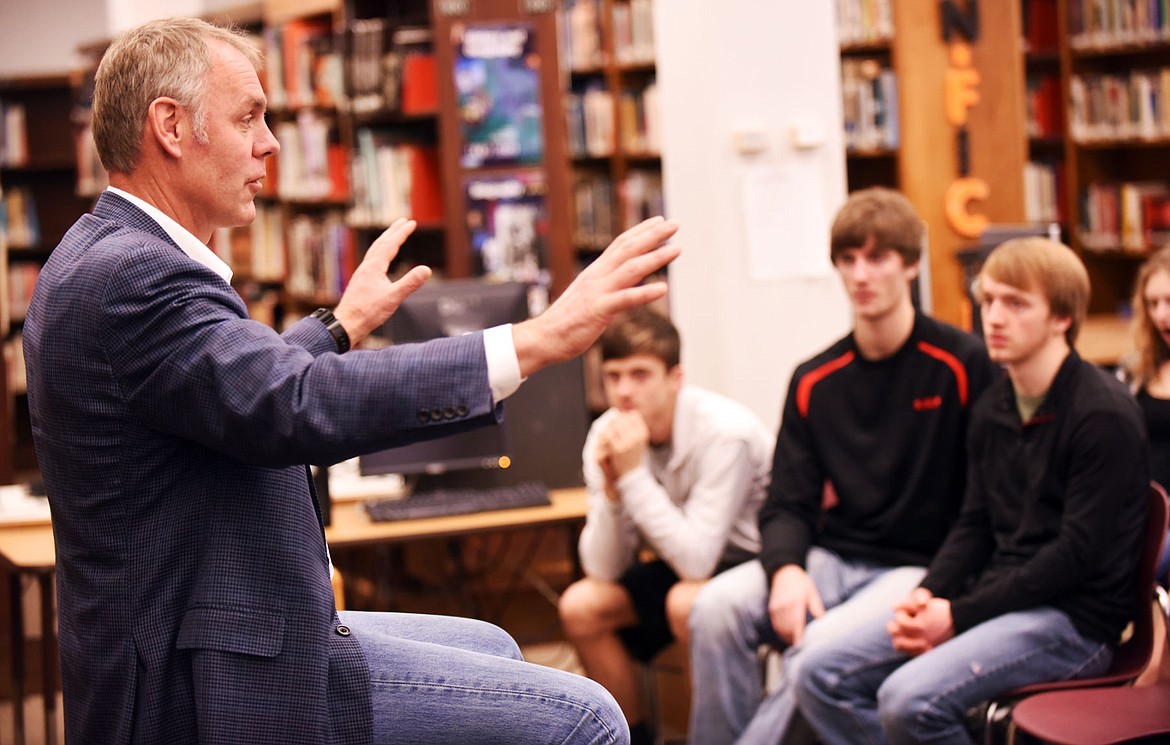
x: 862, y: 22
x: 582, y: 45
x: 22, y: 279
x: 1130, y: 217
x: 13, y: 136
x: 589, y: 117
x: 1134, y: 105
x: 255, y: 252
x: 393, y: 179
x: 303, y: 67
x: 18, y: 218
x: 638, y: 123
x: 309, y: 255
x: 1043, y: 187
x: 1041, y: 26
x: 14, y: 358
x: 391, y: 69
x: 589, y: 113
x: 1044, y: 110
x: 1096, y: 24
x: 311, y: 166
x: 321, y: 256
x: 869, y: 93
x: 633, y: 32
x: 384, y: 178
x: 600, y: 211
x: 388, y: 68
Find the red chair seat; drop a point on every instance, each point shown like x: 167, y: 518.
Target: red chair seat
x: 1096, y: 716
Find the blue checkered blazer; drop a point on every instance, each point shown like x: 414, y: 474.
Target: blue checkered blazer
x: 172, y: 432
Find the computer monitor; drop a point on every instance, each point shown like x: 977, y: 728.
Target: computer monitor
x: 545, y: 421
x: 457, y: 307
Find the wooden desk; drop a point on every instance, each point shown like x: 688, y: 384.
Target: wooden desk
x: 27, y: 550
x: 352, y: 527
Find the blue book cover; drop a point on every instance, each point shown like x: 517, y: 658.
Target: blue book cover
x: 497, y: 88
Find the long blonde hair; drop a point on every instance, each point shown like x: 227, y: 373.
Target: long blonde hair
x: 1150, y: 348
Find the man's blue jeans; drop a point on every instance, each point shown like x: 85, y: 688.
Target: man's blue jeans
x: 438, y: 679
x: 729, y: 621
x: 860, y: 690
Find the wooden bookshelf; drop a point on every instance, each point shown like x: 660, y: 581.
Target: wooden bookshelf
x: 611, y: 114
x: 1112, y: 91
x: 931, y: 158
x: 39, y: 178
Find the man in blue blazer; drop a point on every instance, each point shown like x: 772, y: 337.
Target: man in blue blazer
x: 193, y: 578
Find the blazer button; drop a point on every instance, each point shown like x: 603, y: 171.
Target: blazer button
x: 449, y: 412
x: 436, y: 415
x: 424, y: 415
x: 461, y: 410
x: 343, y: 630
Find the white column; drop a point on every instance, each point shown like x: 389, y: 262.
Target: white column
x: 753, y: 166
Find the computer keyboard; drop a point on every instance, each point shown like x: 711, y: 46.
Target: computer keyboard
x: 461, y: 501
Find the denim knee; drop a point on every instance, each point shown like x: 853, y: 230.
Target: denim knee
x: 908, y: 714
x: 713, y: 620
x: 497, y: 642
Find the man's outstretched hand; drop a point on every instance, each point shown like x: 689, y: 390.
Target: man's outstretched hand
x: 609, y: 285
x: 371, y: 297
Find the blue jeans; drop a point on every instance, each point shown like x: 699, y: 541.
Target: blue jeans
x: 439, y: 679
x: 860, y: 690
x: 729, y: 622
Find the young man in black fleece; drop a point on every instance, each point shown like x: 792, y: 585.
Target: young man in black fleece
x: 867, y: 478
x: 1034, y: 582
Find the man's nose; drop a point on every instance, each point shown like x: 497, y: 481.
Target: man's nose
x: 992, y: 311
x: 267, y: 145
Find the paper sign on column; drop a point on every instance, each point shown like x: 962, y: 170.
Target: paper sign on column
x: 785, y: 222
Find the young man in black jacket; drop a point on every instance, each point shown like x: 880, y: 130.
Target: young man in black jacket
x: 1034, y: 582
x: 867, y: 478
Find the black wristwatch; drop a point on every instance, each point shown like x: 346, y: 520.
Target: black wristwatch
x: 334, y: 327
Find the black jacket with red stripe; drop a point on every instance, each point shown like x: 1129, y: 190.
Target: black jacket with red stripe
x: 870, y: 460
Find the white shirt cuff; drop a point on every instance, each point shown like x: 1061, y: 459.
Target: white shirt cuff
x: 502, y: 364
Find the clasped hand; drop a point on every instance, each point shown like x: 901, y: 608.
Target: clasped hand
x: 620, y: 447
x: 921, y: 622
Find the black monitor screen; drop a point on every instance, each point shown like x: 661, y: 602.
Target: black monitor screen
x: 451, y: 308
x: 484, y: 447
x: 457, y: 307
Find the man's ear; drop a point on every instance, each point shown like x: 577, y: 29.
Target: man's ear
x: 1061, y: 324
x: 913, y: 270
x: 165, y: 124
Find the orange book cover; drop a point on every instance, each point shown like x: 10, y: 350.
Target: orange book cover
x: 420, y: 84
x: 271, y: 176
x: 298, y: 38
x: 426, y: 194
x: 338, y: 161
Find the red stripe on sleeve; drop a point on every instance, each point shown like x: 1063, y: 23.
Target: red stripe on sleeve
x: 952, y: 362
x: 804, y: 390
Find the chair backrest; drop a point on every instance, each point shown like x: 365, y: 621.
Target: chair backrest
x: 1133, y: 655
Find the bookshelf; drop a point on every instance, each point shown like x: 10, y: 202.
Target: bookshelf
x: 611, y: 113
x: 38, y: 170
x: 934, y: 105
x: 1114, y: 68
x: 869, y: 92
x: 365, y: 100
